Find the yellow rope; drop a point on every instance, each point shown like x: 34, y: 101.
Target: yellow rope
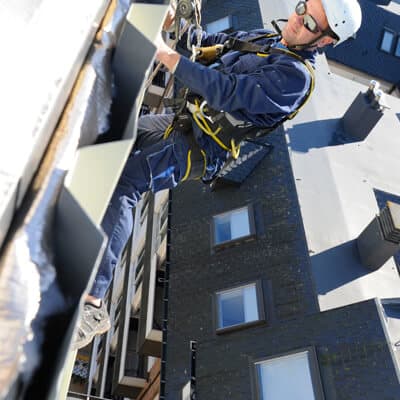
x: 189, y: 166
x: 205, y: 127
x: 235, y: 150
x: 202, y: 123
x: 203, y: 153
x: 168, y: 131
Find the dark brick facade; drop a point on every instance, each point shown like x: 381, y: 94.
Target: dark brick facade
x: 353, y: 355
x: 352, y: 351
x: 278, y: 256
x: 246, y: 15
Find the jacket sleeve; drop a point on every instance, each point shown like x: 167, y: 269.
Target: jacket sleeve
x: 273, y: 90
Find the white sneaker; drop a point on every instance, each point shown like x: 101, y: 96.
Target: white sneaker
x: 94, y: 321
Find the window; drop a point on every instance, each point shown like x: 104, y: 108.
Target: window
x: 220, y: 25
x: 239, y: 306
x: 233, y: 225
x: 397, y: 50
x: 300, y: 369
x: 387, y: 41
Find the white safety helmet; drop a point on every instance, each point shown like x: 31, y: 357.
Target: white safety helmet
x: 344, y: 17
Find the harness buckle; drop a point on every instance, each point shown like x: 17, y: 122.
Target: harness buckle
x: 228, y: 44
x: 207, y: 55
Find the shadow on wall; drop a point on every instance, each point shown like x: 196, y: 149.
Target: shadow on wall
x: 318, y: 134
x: 337, y: 266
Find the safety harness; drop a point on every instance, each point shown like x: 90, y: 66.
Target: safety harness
x: 222, y: 127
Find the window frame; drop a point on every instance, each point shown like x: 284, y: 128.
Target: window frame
x: 394, y: 33
x: 231, y: 242
x: 315, y: 372
x: 260, y: 307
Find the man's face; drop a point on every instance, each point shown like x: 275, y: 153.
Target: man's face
x: 295, y: 32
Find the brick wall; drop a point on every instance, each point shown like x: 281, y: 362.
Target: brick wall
x: 352, y: 352
x: 278, y: 256
x: 246, y: 14
x: 353, y: 355
x: 351, y: 347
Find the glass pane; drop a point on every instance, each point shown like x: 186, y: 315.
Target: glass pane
x: 232, y: 225
x: 397, y: 51
x: 220, y: 25
x: 250, y: 303
x: 231, y: 308
x: 240, y: 224
x: 387, y: 40
x: 222, y: 229
x: 274, y: 376
x: 237, y: 306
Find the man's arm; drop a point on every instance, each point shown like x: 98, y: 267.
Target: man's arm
x: 272, y: 90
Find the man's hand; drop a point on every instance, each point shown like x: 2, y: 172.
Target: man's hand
x: 170, y: 58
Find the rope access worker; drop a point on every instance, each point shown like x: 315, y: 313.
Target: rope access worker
x: 260, y: 80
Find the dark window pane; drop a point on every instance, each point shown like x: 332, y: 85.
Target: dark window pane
x: 222, y: 231
x: 232, y: 310
x: 387, y: 41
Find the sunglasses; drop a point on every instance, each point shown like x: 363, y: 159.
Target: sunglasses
x: 308, y: 21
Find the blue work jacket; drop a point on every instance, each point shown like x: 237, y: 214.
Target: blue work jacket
x: 260, y: 90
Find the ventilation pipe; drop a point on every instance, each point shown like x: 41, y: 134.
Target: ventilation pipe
x: 365, y: 112
x: 380, y: 240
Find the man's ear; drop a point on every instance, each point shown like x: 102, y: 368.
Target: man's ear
x: 325, y: 41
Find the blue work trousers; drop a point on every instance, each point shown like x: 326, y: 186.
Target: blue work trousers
x: 154, y: 164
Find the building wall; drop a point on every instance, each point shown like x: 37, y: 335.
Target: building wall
x: 353, y: 355
x: 352, y: 350
x: 278, y: 256
x: 361, y: 77
x: 354, y: 359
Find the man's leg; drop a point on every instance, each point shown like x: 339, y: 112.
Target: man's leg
x: 141, y: 174
x: 154, y: 164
